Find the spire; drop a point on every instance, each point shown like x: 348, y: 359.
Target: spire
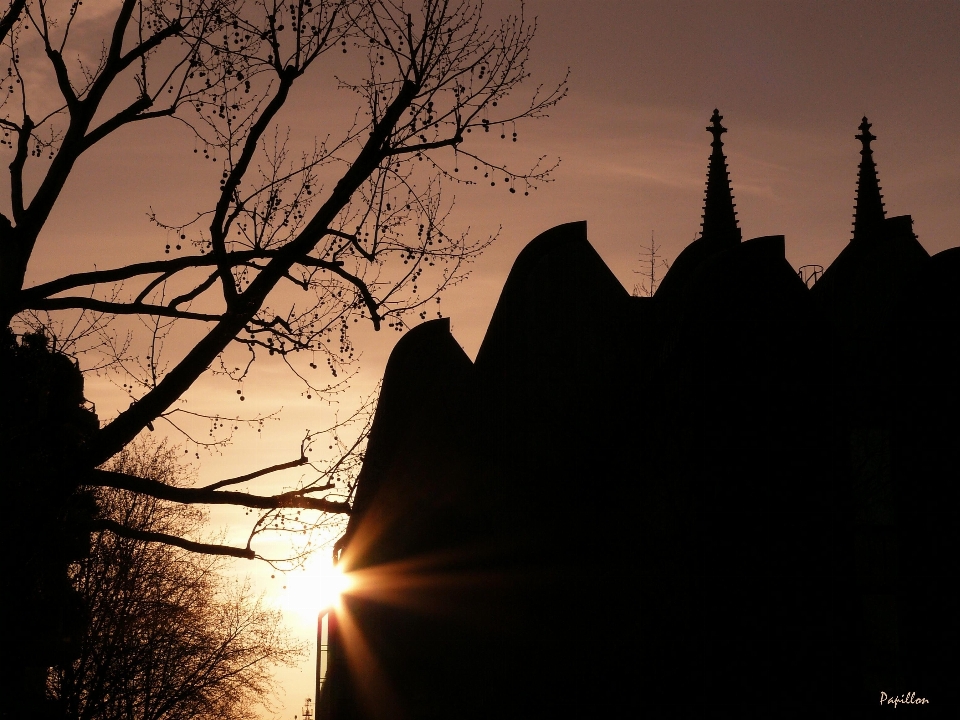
x: 869, y: 214
x: 719, y: 216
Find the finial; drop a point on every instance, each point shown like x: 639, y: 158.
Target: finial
x: 865, y: 136
x: 716, y: 128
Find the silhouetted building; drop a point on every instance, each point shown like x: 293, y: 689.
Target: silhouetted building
x: 895, y: 317
x: 544, y: 536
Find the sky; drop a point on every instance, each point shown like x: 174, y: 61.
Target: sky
x: 792, y: 80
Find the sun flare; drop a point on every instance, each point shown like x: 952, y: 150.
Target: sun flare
x: 314, y: 590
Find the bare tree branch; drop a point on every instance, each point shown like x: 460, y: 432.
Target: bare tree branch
x: 150, y: 536
x: 299, y: 462
x: 118, y: 308
x: 10, y: 17
x: 293, y: 499
x: 173, y: 265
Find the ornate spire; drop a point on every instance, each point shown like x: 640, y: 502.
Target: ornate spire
x: 719, y: 216
x: 868, y: 213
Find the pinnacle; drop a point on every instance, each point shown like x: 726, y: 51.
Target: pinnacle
x: 869, y: 209
x: 719, y: 216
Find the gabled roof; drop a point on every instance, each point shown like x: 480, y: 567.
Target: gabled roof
x: 558, y: 281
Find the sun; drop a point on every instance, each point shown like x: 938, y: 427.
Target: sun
x: 314, y: 590
x: 333, y: 582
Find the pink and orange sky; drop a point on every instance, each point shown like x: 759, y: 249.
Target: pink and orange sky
x: 791, y: 79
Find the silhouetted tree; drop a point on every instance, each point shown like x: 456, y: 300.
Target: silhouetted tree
x: 169, y: 635
x: 364, y: 245
x: 356, y: 225
x: 652, y: 262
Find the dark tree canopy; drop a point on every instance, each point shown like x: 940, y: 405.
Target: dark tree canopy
x: 45, y: 428
x: 170, y: 636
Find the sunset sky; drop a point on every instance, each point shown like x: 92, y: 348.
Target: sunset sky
x: 791, y: 79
